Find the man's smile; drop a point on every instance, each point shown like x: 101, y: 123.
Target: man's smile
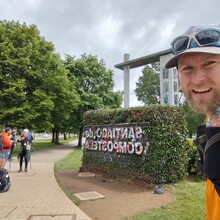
x: 206, y: 90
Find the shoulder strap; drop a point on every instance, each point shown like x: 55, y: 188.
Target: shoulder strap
x: 200, y: 141
x: 212, y: 141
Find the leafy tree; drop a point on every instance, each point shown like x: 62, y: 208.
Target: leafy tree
x: 193, y: 119
x: 23, y: 54
x: 148, y: 85
x: 65, y: 99
x: 35, y: 89
x: 94, y: 84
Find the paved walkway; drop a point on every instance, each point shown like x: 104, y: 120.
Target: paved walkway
x: 35, y: 195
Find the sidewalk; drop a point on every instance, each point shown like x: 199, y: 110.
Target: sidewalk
x: 35, y: 195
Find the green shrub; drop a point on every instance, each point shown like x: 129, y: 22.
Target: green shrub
x: 193, y: 156
x: 166, y: 131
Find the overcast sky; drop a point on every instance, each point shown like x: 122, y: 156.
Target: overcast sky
x: 110, y: 28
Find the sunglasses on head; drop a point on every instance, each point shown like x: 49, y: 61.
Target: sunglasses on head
x: 202, y: 38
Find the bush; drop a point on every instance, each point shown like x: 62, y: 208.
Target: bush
x: 193, y: 156
x: 167, y: 135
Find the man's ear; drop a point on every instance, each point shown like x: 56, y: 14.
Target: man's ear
x: 180, y: 89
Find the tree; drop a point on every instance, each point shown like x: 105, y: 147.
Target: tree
x: 148, y: 85
x: 22, y: 67
x: 35, y: 89
x: 65, y: 99
x: 193, y: 119
x: 94, y: 84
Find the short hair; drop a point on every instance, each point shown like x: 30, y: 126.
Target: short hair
x: 7, y: 129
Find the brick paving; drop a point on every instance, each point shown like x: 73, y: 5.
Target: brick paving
x: 35, y: 195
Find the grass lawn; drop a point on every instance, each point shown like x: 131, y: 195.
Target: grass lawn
x: 41, y: 144
x: 189, y: 202
x: 72, y: 161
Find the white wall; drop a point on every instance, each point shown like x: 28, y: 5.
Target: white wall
x: 168, y: 83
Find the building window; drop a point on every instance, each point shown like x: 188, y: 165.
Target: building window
x: 176, y: 99
x: 165, y: 73
x: 174, y: 73
x: 175, y: 86
x: 165, y: 99
x: 165, y: 86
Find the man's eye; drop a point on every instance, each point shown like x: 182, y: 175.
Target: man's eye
x: 186, y: 68
x: 209, y: 62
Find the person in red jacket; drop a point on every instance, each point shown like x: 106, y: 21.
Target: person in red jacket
x: 6, y: 143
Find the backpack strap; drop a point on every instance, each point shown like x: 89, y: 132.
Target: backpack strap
x: 1, y: 139
x: 200, y: 143
x: 211, y: 156
x: 212, y: 141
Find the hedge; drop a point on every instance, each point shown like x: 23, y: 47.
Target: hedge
x: 166, y: 131
x: 193, y: 157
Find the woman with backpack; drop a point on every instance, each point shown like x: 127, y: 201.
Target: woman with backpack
x: 24, y: 152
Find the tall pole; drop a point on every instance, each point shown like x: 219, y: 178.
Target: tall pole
x: 126, y: 82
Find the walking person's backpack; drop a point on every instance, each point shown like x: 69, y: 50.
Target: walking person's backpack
x: 5, y: 183
x: 1, y: 138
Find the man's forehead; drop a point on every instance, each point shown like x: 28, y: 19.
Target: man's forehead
x: 192, y: 56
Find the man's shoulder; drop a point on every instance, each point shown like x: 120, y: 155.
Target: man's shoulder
x: 3, y: 133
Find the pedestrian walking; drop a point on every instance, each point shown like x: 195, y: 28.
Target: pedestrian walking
x: 6, y: 146
x: 24, y: 152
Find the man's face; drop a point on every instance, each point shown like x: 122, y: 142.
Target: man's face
x: 9, y: 132
x: 25, y: 134
x: 199, y: 75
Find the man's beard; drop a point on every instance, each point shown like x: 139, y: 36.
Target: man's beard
x: 204, y: 106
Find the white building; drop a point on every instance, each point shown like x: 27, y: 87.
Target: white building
x: 169, y: 85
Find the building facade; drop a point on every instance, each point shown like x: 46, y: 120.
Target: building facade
x: 169, y: 83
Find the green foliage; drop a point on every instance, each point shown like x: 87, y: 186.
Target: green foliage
x: 148, y: 86
x: 40, y: 91
x: 167, y: 135
x: 94, y: 85
x: 93, y: 81
x: 193, y: 157
x: 35, y: 89
x: 193, y: 119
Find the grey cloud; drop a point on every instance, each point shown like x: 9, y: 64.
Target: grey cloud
x: 111, y: 28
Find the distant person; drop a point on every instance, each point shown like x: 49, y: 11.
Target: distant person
x: 14, y: 141
x: 6, y: 147
x: 30, y: 137
x: 24, y: 152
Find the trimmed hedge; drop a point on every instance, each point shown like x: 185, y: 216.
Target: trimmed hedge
x: 167, y: 135
x: 193, y: 157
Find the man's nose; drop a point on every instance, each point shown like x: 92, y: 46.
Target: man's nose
x: 198, y: 76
